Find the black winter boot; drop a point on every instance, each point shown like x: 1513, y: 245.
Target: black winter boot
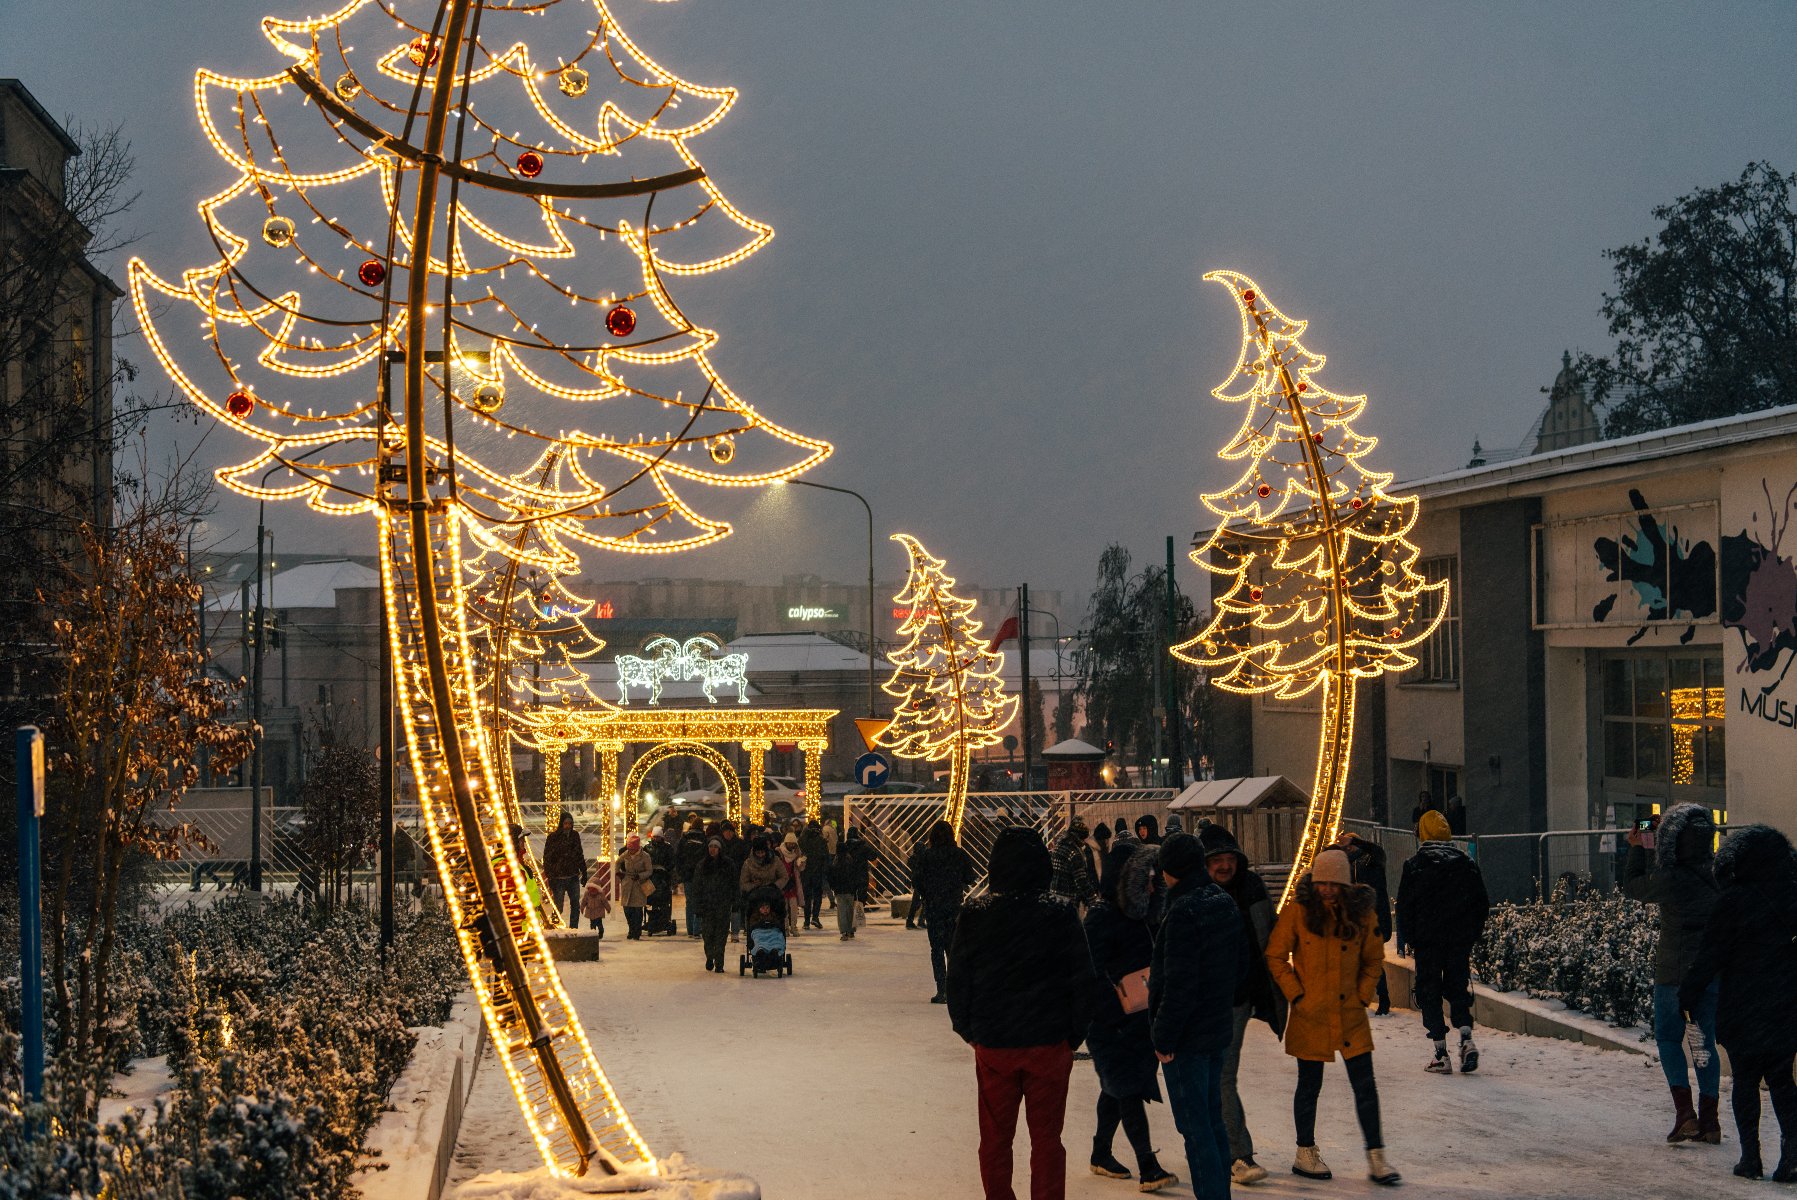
x: 1155, y: 1177
x: 1787, y: 1162
x: 1750, y: 1167
x: 1105, y: 1163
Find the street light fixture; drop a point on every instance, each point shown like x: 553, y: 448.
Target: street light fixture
x: 872, y: 684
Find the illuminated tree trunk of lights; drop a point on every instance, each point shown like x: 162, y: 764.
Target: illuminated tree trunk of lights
x: 1328, y: 790
x: 960, y: 769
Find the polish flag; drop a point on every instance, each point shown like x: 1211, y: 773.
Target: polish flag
x: 1007, y: 630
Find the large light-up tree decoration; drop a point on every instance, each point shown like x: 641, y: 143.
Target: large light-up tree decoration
x: 945, y: 678
x: 441, y: 298
x: 1323, y: 588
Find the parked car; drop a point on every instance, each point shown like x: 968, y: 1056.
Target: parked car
x: 785, y: 796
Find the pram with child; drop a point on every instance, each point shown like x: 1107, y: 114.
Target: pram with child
x: 764, y: 923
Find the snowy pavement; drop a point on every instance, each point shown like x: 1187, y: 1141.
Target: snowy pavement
x: 843, y: 1081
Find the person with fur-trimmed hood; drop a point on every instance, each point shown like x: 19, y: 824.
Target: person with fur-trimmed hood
x: 1257, y: 997
x: 1442, y: 906
x: 1072, y: 878
x: 1119, y: 1039
x: 1745, y: 970
x: 1326, y: 954
x: 1682, y: 885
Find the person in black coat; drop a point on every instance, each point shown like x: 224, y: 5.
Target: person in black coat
x: 1750, y: 944
x: 1366, y: 863
x: 1122, y: 1052
x: 1020, y: 992
x: 1148, y: 829
x: 913, y: 867
x: 1442, y: 906
x: 1259, y: 998
x: 1200, y: 962
x: 941, y: 875
x: 714, y: 894
x: 687, y: 856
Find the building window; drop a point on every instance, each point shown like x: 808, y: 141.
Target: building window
x: 1438, y: 657
x: 1663, y: 724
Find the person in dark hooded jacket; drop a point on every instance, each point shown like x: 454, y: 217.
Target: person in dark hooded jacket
x: 1748, y: 954
x: 1020, y: 984
x: 1367, y: 861
x: 1229, y: 869
x: 1682, y: 886
x: 1122, y: 1050
x: 941, y: 875
x: 714, y: 890
x: 1148, y: 829
x: 1442, y: 906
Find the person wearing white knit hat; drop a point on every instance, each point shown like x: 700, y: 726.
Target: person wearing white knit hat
x: 1326, y: 955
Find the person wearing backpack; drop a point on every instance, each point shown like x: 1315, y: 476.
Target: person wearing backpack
x: 1682, y: 885
x: 1442, y: 906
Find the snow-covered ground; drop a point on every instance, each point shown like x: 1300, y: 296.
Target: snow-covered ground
x: 843, y: 1081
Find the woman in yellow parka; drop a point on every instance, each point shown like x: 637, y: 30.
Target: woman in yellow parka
x: 1326, y: 955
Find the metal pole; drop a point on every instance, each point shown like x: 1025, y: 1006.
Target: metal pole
x: 386, y: 700
x: 1176, y: 774
x: 872, y: 683
x: 29, y: 765
x: 1023, y: 653
x: 256, y: 715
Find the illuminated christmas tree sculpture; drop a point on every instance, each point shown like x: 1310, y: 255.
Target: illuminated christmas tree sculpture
x: 1323, y: 588
x: 950, y: 699
x: 442, y: 297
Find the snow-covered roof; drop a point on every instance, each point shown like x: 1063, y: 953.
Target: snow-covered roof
x: 1073, y: 748
x: 790, y: 652
x: 309, y: 585
x: 1260, y: 791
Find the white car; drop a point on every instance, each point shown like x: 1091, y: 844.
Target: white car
x: 785, y: 795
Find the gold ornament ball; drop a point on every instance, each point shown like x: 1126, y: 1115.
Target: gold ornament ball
x: 348, y: 87
x: 489, y: 398
x: 277, y: 231
x: 723, y: 450
x: 572, y: 80
x: 1386, y: 568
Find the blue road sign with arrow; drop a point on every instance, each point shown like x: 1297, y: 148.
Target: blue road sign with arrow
x: 872, y: 769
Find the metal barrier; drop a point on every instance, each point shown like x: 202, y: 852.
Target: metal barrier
x: 1517, y: 866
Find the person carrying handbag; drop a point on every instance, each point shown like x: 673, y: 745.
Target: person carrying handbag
x: 1122, y: 1052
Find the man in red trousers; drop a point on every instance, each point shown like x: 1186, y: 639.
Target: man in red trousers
x: 1021, y: 992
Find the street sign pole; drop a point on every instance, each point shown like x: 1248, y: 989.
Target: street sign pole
x: 29, y: 765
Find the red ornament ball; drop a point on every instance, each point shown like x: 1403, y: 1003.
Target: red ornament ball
x: 1303, y: 387
x: 530, y: 164
x: 620, y: 321
x: 424, y: 51
x: 1248, y: 296
x: 240, y: 404
x: 372, y: 273
x: 1317, y: 438
x: 1254, y: 593
x: 1263, y: 491
x: 1356, y: 503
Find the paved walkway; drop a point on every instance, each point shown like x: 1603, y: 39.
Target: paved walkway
x: 843, y: 1081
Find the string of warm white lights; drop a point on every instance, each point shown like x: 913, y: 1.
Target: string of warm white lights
x: 390, y: 153
x: 945, y: 679
x: 1323, y: 588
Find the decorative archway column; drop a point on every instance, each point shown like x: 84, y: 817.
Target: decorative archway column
x: 608, y: 791
x: 552, y: 784
x: 814, y: 777
x: 756, y: 801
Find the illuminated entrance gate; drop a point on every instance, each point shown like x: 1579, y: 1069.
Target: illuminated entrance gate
x: 676, y: 731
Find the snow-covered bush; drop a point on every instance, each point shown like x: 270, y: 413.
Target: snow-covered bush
x: 283, y: 1035
x: 1591, y: 950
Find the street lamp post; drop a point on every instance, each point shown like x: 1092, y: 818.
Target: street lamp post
x: 872, y: 685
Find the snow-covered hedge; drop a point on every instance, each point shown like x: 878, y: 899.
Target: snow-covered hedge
x: 1592, y: 951
x: 283, y: 1038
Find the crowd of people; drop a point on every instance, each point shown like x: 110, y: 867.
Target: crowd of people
x: 714, y: 870
x: 1159, y: 953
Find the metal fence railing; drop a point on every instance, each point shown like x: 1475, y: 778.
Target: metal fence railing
x: 1519, y: 866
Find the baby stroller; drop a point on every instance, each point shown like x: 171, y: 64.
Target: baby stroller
x: 766, y: 925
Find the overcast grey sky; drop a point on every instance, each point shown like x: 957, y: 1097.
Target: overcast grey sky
x: 993, y: 215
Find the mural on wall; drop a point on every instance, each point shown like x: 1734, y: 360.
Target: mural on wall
x: 1759, y: 592
x: 1667, y: 577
